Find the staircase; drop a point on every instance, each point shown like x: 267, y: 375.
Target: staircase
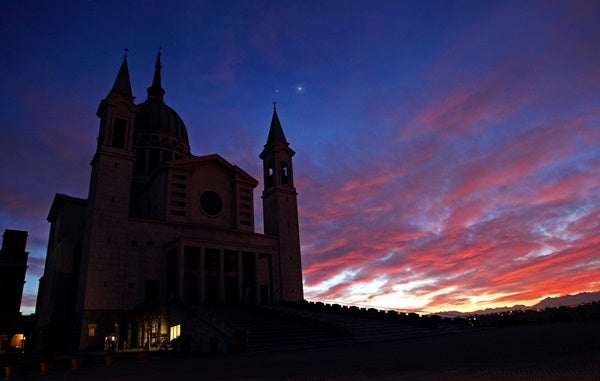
x: 268, y: 329
x: 296, y: 327
x: 361, y: 328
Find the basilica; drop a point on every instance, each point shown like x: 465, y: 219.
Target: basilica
x: 164, y: 233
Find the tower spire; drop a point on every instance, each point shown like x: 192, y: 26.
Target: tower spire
x: 155, y: 90
x: 275, y: 131
x: 122, y: 85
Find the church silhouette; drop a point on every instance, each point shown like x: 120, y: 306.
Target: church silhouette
x: 164, y: 233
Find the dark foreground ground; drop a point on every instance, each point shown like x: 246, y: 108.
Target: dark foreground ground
x: 565, y: 351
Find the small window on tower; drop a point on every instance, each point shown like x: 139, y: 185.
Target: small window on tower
x: 118, y: 135
x: 285, y: 176
x: 269, y: 175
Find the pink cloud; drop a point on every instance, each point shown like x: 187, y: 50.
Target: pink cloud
x: 492, y: 205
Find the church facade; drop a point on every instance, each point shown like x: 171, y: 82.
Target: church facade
x: 163, y: 232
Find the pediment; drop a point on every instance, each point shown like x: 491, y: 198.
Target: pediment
x: 197, y: 162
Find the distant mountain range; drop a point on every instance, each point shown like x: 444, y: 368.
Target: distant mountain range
x: 565, y: 300
x: 569, y: 300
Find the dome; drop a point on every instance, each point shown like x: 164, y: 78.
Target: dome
x: 159, y: 134
x: 155, y: 117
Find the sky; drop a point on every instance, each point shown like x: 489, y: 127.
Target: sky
x: 447, y: 152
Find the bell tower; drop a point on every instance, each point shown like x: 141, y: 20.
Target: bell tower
x: 106, y: 226
x: 112, y: 165
x: 280, y: 213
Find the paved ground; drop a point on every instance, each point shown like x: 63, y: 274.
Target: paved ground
x: 569, y: 351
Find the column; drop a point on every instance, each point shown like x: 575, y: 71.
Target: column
x: 239, y: 275
x: 270, y: 280
x: 202, y: 274
x: 180, y: 273
x: 256, y: 279
x: 221, y: 276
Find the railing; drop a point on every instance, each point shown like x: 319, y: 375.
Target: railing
x: 368, y: 306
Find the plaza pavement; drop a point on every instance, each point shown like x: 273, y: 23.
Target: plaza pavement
x: 566, y: 351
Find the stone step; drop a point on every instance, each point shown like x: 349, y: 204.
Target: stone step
x: 266, y: 330
x: 279, y: 328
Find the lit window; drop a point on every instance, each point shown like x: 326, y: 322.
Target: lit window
x: 175, y: 332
